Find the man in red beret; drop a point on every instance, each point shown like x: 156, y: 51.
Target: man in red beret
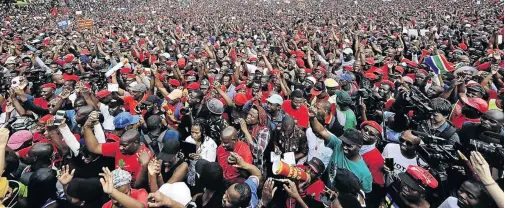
x: 47, y: 93
x: 372, y: 132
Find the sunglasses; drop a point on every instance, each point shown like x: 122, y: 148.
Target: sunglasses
x: 408, y: 143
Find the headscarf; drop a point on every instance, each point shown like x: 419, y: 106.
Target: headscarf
x: 262, y: 121
x: 121, y: 177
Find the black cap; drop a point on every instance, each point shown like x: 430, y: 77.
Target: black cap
x: 169, y: 150
x: 316, y: 165
x: 410, y: 181
x: 352, y: 136
x: 150, y: 100
x: 346, y: 182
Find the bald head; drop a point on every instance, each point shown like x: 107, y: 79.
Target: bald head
x: 41, y: 150
x: 130, y: 135
x: 228, y: 132
x: 229, y: 138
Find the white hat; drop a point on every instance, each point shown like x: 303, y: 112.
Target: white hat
x: 347, y: 51
x: 312, y: 79
x: 275, y: 99
x: 178, y: 192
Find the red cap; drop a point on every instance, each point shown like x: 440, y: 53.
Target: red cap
x: 46, y: 118
x: 275, y: 72
x: 373, y: 124
x: 48, y: 85
x: 191, y: 73
x: 132, y: 76
x: 422, y: 175
x: 239, y: 87
x: 194, y: 86
x: 308, y: 71
x: 125, y: 70
x: 102, y: 93
x: 67, y: 77
x: 477, y: 103
x: 300, y: 62
x: 174, y: 82
x: 300, y: 54
x: 321, y: 69
x: 240, y: 99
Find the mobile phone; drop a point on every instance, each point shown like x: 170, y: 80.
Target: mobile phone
x: 58, y: 118
x: 390, y: 163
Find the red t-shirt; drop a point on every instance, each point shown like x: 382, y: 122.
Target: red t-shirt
x: 301, y: 115
x: 230, y: 172
x: 126, y: 162
x: 40, y: 102
x: 137, y: 194
x: 374, y: 160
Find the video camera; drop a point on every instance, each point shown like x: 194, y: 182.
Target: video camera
x: 415, y: 100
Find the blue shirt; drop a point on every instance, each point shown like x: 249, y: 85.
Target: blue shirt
x: 339, y: 160
x: 253, y: 183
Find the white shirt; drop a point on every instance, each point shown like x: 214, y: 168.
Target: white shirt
x: 316, y: 148
x: 451, y: 202
x: 207, y: 150
x: 108, y: 120
x: 401, y: 163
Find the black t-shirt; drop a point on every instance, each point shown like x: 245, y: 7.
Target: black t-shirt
x: 215, y: 200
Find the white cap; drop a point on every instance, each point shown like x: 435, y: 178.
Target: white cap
x: 178, y: 192
x: 11, y: 60
x: 275, y: 99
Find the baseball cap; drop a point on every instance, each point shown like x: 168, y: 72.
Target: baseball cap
x: 171, y: 135
x: 175, y: 94
x: 318, y: 88
x: 125, y: 119
x: 312, y: 79
x: 19, y: 138
x: 477, y: 103
x: 347, y: 51
x: 352, y: 136
x: 170, y: 148
x: 139, y: 87
x: 177, y: 191
x: 418, y: 178
x: 373, y: 124
x: 174, y: 82
x: 275, y: 99
x: 316, y: 165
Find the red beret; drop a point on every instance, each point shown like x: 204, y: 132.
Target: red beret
x: 85, y: 52
x: 190, y: 73
x: 46, y: 118
x: 67, y: 77
x: 387, y: 82
x: 130, y: 76
x: 48, y: 85
x: 477, y: 103
x: 299, y: 54
x: 174, y: 82
x: 308, y: 71
x: 240, y: 99
x: 102, y: 93
x: 371, y: 76
x: 463, y: 46
x: 399, y: 69
x: 125, y: 70
x: 389, y: 103
x: 373, y: 124
x: 251, y: 59
x: 370, y: 61
x: 348, y: 68
x: 321, y: 69
x: 194, y: 86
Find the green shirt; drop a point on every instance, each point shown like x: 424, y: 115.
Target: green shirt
x: 338, y: 160
x: 350, y: 119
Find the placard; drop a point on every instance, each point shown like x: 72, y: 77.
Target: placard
x: 62, y: 24
x: 78, y: 12
x: 84, y: 24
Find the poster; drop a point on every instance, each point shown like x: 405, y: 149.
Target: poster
x: 62, y: 24
x: 84, y: 24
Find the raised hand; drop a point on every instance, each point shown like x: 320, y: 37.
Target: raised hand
x: 107, y: 181
x: 66, y: 175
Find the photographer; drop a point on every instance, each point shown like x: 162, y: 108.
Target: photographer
x: 438, y: 124
x: 491, y: 121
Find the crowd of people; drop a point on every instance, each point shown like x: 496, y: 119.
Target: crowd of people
x: 210, y: 103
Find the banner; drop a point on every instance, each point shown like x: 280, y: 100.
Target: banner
x: 62, y: 24
x: 84, y: 24
x: 78, y: 12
